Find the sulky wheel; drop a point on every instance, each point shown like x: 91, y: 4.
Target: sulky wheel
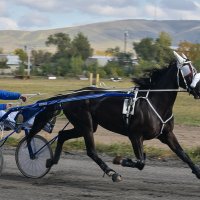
x: 31, y: 164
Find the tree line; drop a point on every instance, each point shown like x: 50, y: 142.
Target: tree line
x: 70, y: 57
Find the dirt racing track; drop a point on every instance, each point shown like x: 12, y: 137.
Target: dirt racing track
x: 78, y: 177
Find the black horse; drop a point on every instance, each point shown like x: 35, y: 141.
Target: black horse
x: 150, y: 115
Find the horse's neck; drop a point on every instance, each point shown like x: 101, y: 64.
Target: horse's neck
x: 164, y: 101
x: 168, y: 80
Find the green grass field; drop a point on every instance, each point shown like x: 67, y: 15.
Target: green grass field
x: 186, y: 108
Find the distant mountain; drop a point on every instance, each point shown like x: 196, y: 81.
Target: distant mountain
x: 107, y: 34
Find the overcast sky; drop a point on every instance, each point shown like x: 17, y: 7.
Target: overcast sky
x: 49, y: 14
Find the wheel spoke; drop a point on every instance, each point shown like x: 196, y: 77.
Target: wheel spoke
x: 33, y: 168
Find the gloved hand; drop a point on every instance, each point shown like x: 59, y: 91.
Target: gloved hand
x: 23, y: 98
x: 9, y: 105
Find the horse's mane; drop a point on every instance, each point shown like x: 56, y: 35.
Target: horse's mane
x: 150, y: 77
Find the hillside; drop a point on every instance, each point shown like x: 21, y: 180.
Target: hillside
x: 106, y: 34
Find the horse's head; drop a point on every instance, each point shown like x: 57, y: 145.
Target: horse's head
x: 188, y: 77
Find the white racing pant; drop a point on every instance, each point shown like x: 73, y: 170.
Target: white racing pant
x: 10, y: 120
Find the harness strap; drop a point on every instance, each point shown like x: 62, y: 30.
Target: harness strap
x: 163, y: 125
x: 130, y: 108
x: 129, y: 105
x: 156, y: 111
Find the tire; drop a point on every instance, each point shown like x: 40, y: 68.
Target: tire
x: 36, y: 167
x: 1, y: 161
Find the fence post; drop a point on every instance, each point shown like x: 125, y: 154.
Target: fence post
x: 97, y: 79
x: 91, y: 79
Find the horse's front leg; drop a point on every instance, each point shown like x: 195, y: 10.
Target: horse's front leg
x: 137, y: 144
x: 91, y: 152
x: 170, y: 139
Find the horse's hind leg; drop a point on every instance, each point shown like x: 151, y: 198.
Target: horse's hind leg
x: 137, y: 144
x: 39, y: 122
x: 87, y: 127
x: 62, y: 137
x: 91, y: 152
x: 170, y: 139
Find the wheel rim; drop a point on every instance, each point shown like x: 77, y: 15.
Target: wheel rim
x: 33, y: 168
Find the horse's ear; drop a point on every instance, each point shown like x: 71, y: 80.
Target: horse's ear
x: 184, y: 56
x: 180, y: 59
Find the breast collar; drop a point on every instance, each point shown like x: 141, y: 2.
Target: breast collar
x: 129, y: 109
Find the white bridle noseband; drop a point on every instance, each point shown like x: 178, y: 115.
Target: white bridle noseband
x: 187, y: 69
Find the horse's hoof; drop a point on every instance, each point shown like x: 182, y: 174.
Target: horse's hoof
x: 116, y: 177
x: 127, y: 162
x: 117, y: 160
x: 49, y: 163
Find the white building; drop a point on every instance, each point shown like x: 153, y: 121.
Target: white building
x: 101, y: 60
x: 13, y: 63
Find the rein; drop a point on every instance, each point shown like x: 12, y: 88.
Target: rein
x: 131, y: 90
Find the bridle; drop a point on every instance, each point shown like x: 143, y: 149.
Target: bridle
x: 187, y: 71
